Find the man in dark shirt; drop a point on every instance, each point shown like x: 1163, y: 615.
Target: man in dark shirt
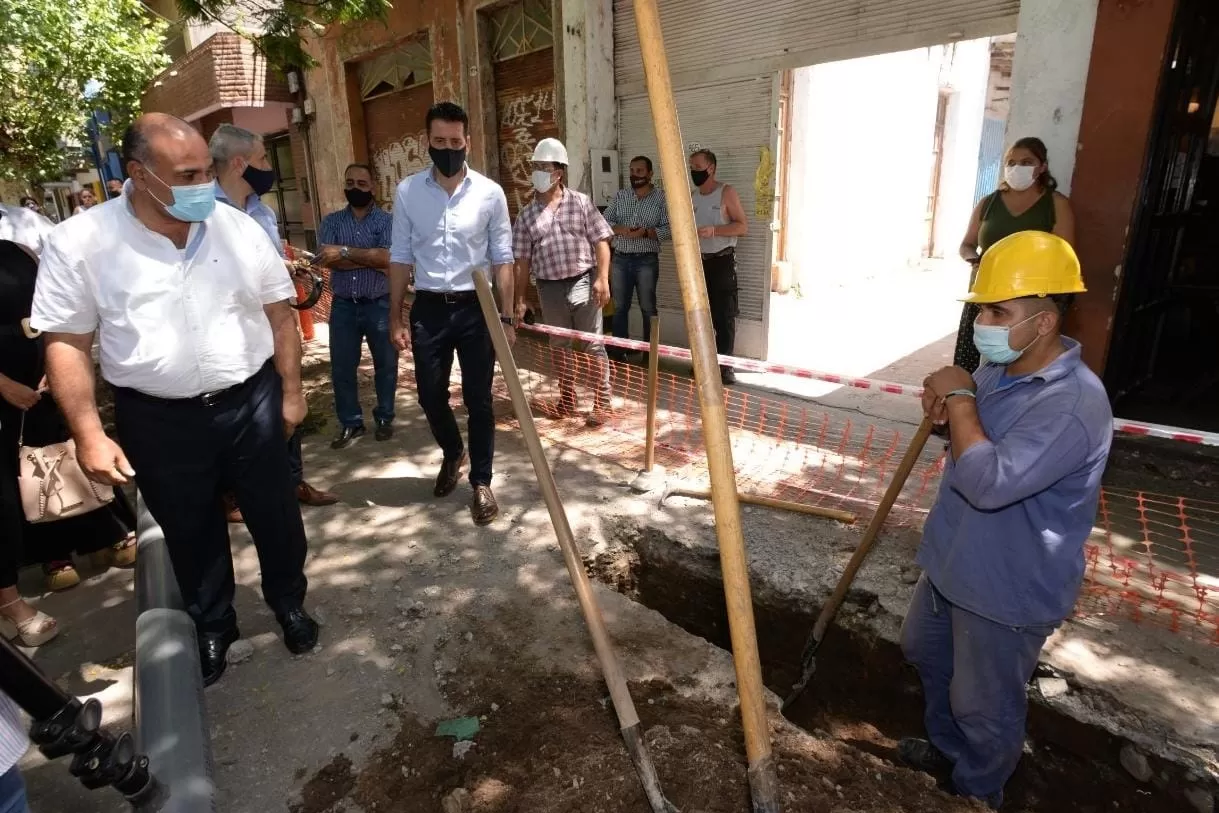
x: 355, y: 246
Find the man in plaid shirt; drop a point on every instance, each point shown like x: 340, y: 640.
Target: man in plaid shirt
x: 563, y: 240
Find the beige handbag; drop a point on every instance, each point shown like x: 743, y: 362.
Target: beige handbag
x: 53, y: 485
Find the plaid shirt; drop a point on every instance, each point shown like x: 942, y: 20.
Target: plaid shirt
x: 649, y: 212
x: 560, y: 244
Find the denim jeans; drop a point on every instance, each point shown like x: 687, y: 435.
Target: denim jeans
x: 12, y: 792
x: 350, y: 322
x: 974, y: 673
x: 630, y: 273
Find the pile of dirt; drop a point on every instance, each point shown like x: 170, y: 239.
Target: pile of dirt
x: 553, y: 745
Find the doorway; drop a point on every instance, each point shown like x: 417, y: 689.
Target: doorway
x: 1162, y: 366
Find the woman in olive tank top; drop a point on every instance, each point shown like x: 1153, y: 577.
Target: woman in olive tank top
x: 1027, y: 200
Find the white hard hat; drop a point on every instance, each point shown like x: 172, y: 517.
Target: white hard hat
x: 550, y: 150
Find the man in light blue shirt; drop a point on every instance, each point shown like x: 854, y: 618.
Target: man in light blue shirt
x: 243, y: 175
x: 1003, y: 547
x: 449, y: 223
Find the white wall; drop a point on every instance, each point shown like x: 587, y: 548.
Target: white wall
x: 588, y: 84
x: 968, y: 78
x: 1049, y: 72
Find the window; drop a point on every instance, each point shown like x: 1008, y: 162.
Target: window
x: 520, y: 29
x: 406, y: 66
x: 287, y: 198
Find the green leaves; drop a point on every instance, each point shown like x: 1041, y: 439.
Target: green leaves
x: 50, y: 50
x: 276, y: 26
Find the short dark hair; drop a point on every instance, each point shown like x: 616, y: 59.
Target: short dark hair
x: 26, y: 199
x: 448, y: 111
x: 135, y: 145
x: 358, y: 165
x: 708, y: 154
x: 642, y: 159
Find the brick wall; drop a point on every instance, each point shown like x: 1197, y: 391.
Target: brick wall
x: 224, y: 71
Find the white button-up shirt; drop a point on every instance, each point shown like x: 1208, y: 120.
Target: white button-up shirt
x: 20, y: 225
x: 13, y: 742
x: 447, y: 237
x: 174, y: 323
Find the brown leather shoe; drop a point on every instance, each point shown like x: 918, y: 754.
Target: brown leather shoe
x: 231, y: 512
x: 483, y: 508
x: 449, y: 476
x: 308, y: 495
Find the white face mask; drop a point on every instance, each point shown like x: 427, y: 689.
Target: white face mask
x: 1020, y: 177
x: 542, y: 180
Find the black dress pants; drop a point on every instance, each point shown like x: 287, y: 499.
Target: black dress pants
x: 722, y: 298
x: 188, y: 452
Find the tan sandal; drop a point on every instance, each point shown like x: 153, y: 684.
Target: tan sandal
x: 32, y: 632
x: 60, y: 576
x: 120, y: 554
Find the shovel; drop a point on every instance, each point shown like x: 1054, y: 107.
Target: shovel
x: 628, y: 719
x: 809, y: 658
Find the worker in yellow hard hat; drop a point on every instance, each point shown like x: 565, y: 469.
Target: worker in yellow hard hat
x: 1002, y: 549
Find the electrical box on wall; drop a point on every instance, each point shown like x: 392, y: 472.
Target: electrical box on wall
x: 605, y: 177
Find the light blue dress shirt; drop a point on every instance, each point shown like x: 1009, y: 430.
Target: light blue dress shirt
x: 447, y: 237
x: 1006, y: 535
x: 263, y: 215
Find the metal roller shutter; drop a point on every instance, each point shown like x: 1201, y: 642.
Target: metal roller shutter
x: 733, y: 121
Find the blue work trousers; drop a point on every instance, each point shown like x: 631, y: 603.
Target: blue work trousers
x: 974, y: 673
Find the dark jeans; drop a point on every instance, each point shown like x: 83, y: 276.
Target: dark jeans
x: 631, y: 273
x: 974, y: 673
x: 12, y: 792
x: 296, y: 465
x: 351, y: 321
x: 186, y: 454
x: 440, y: 328
x: 720, y: 273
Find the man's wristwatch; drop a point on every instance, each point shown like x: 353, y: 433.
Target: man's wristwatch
x: 507, y: 320
x: 343, y: 252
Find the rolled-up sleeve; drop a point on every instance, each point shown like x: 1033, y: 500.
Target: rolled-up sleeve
x: 63, y: 299
x: 400, y: 249
x: 1032, y: 456
x: 499, y: 243
x: 663, y: 231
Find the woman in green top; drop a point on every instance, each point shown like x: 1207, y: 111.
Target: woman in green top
x: 1026, y: 200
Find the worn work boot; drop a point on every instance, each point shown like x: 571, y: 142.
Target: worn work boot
x: 923, y: 756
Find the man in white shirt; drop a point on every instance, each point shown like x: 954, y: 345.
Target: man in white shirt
x: 23, y: 226
x: 450, y: 221
x: 199, y: 342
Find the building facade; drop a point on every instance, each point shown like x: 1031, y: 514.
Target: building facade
x: 1094, y: 79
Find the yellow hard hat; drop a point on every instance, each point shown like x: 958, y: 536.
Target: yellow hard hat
x: 1027, y: 263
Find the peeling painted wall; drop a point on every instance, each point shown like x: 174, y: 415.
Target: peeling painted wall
x: 589, y: 109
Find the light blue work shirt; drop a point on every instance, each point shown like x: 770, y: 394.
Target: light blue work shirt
x: 1005, y: 537
x: 263, y: 215
x: 447, y: 237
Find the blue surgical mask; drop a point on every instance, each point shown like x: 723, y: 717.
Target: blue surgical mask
x: 992, y: 342
x: 192, y: 203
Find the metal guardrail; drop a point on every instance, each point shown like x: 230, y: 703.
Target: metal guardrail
x: 170, y: 712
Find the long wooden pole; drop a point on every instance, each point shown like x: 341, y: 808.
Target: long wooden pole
x: 763, y: 778
x: 649, y: 448
x: 615, y: 680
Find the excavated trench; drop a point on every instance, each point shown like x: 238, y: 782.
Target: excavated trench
x: 863, y: 693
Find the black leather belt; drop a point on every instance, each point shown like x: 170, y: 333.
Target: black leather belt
x: 448, y: 297
x: 207, y: 399
x: 724, y: 252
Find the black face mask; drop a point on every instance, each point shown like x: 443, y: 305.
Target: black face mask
x: 358, y: 198
x: 699, y: 176
x: 637, y: 183
x: 260, y: 180
x: 447, y: 162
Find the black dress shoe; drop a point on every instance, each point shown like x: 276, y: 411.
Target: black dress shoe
x: 347, y: 436
x: 727, y: 376
x: 213, y: 653
x: 449, y: 476
x: 300, y: 631
x: 483, y: 508
x: 385, y: 431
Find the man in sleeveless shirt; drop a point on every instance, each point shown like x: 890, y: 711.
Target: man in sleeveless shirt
x: 721, y: 222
